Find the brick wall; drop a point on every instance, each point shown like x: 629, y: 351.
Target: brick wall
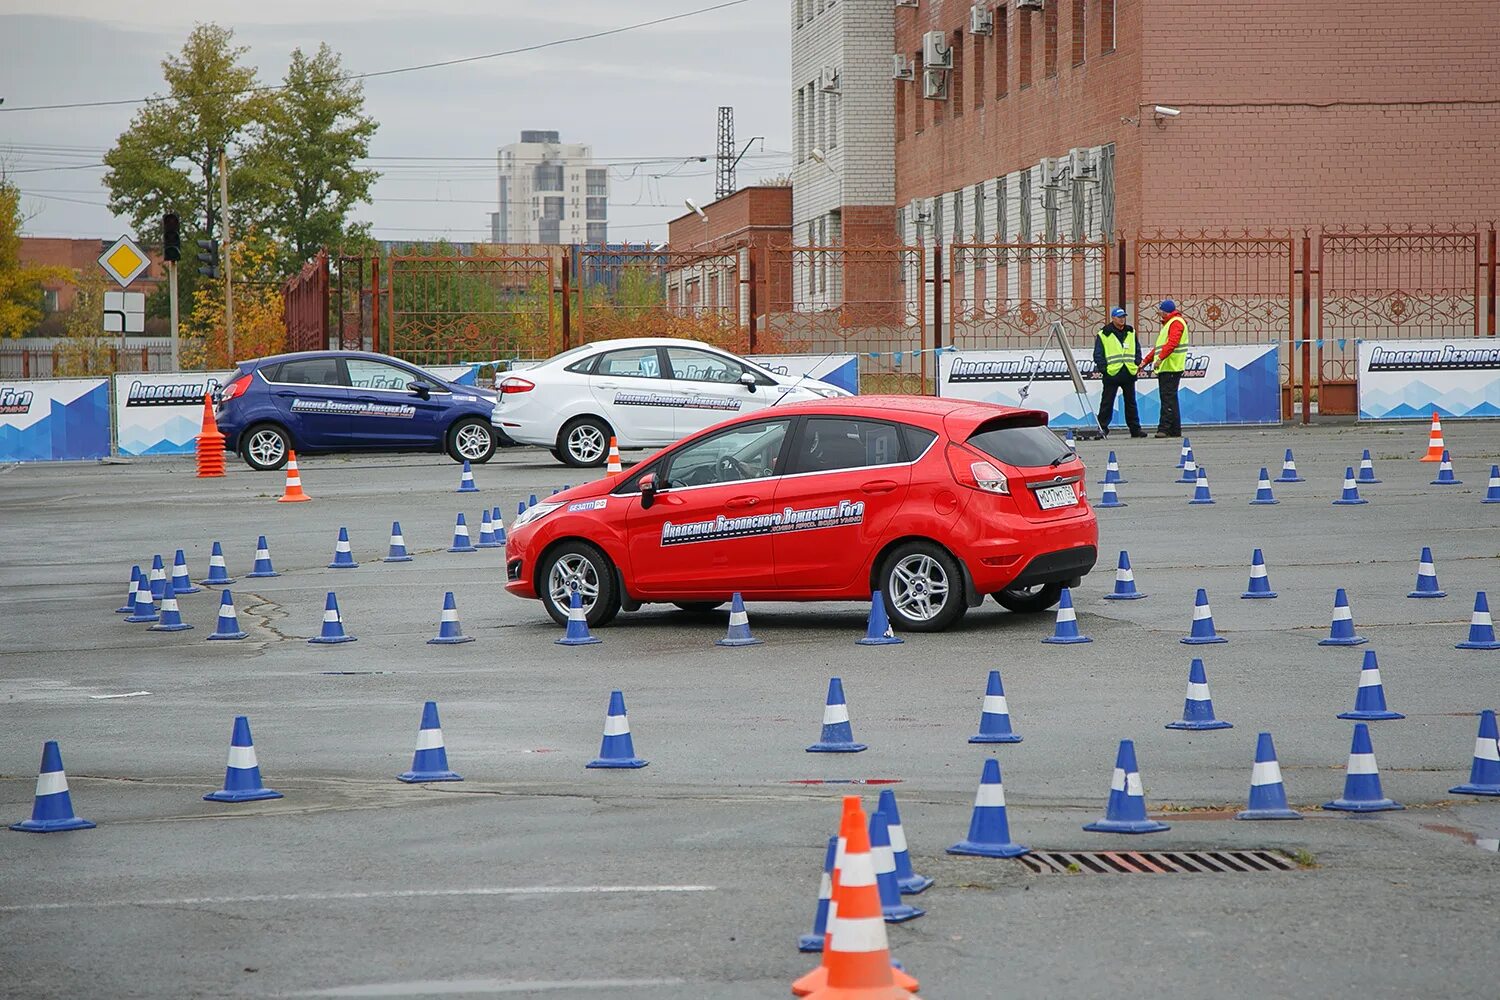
x: 82, y: 257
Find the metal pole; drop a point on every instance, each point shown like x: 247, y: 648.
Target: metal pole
x: 227, y: 254
x: 1307, y: 334
x: 172, y: 301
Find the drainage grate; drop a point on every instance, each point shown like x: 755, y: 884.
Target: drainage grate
x: 1155, y: 862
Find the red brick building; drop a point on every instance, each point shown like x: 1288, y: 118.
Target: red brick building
x: 709, y: 260
x: 81, y: 257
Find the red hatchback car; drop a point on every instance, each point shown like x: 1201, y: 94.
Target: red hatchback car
x: 933, y: 502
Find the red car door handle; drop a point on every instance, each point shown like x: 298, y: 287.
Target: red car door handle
x: 740, y: 503
x: 879, y: 486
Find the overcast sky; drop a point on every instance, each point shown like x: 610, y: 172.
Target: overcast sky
x: 646, y: 94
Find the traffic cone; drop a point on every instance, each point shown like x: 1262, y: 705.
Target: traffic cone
x: 1065, y: 632
x: 52, y: 809
x: 1435, y: 444
x: 293, y: 493
x: 450, y: 632
x: 838, y: 734
x: 1366, y: 470
x: 1341, y: 629
x: 1369, y: 699
x: 1198, y: 708
x: 145, y: 607
x: 1189, y: 470
x: 1267, y: 792
x: 908, y: 881
x: 891, y: 907
x: 1362, y: 778
x: 466, y: 480
x: 158, y: 578
x: 1350, y: 495
x: 181, y: 582
x: 1110, y: 498
x: 1484, y: 774
x: 229, y: 622
x: 210, y: 444
x: 1263, y: 494
x: 578, y: 624
x: 1427, y: 581
x: 486, y: 532
x: 1124, y: 582
x: 262, y: 565
x: 343, y: 557
x: 531, y: 500
x: 461, y: 541
x: 218, y: 573
x: 1187, y: 449
x: 242, y: 781
x: 1201, y: 494
x: 1289, y: 470
x: 994, y: 718
x: 989, y: 828
x: 1481, y: 626
x: 1445, y: 474
x: 1125, y: 811
x: 499, y: 526
x: 171, y: 616
x: 1202, y: 631
x: 617, y: 750
x: 333, y: 625
x: 814, y: 940
x: 430, y: 762
x: 1260, y: 584
x: 1492, y: 494
x: 1112, y: 472
x: 613, y: 467
x: 739, y: 625
x: 520, y: 508
x: 129, y: 606
x: 878, y: 626
x: 398, y: 551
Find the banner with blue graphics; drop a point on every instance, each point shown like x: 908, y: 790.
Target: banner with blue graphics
x: 1409, y: 379
x: 160, y: 413
x: 45, y: 420
x: 1221, y: 385
x: 841, y: 370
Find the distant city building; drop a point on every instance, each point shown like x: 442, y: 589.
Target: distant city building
x: 549, y: 191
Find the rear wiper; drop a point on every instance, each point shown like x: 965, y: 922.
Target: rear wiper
x: 1060, y: 459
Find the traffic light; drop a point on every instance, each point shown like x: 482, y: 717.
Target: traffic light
x: 171, y: 237
x: 208, y: 258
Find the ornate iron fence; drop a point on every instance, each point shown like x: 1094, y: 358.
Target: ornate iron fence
x: 444, y: 309
x: 615, y: 293
x: 1006, y: 295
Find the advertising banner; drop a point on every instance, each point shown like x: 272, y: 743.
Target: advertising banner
x: 160, y: 413
x: 841, y: 370
x: 1221, y: 385
x: 45, y: 420
x: 1409, y: 379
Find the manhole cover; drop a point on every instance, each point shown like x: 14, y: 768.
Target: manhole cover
x: 1155, y: 862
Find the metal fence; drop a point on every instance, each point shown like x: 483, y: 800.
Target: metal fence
x: 613, y: 293
x: 443, y: 309
x: 1007, y: 295
x: 304, y: 306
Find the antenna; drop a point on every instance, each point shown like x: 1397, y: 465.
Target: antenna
x: 724, y: 175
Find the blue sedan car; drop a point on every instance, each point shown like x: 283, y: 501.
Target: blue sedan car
x: 326, y: 401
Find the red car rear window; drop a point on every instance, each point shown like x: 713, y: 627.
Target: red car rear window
x: 1021, y: 445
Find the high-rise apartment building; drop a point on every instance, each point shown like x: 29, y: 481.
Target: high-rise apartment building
x: 549, y: 191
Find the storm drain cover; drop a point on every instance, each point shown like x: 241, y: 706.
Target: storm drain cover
x: 1155, y: 862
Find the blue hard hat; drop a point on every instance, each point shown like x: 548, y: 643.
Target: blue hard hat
x: 1168, y: 306
x: 1117, y: 311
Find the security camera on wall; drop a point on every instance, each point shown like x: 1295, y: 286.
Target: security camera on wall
x: 1166, y: 112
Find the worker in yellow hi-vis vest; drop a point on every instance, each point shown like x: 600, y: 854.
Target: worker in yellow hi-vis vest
x: 1170, y: 355
x: 1117, y: 357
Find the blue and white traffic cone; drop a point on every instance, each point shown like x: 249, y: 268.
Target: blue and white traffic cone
x: 1366, y: 470
x: 994, y: 718
x: 486, y: 532
x: 838, y: 734
x: 1124, y: 582
x: 1445, y: 473
x: 218, y: 573
x: 1201, y: 494
x: 1492, y: 494
x: 461, y: 541
x: 171, y: 615
x: 1427, y: 581
x: 1125, y: 812
x: 397, y: 551
x: 891, y: 907
x: 499, y: 525
x: 1189, y: 470
x: 343, y: 556
x: 1198, y: 707
x: 1481, y: 626
x: 1484, y: 774
x: 466, y: 480
x: 1260, y: 584
x: 1065, y: 632
x: 229, y: 622
x: 1341, y: 628
x: 145, y: 607
x: 1289, y: 470
x: 1263, y: 494
x: 1182, y: 455
x: 520, y: 507
x: 1369, y: 700
x: 333, y: 624
x: 531, y: 500
x: 908, y: 881
x: 1202, y: 631
x: 1070, y: 442
x: 1350, y: 497
x: 158, y: 578
x: 430, y: 762
x: 989, y: 827
x: 242, y: 782
x: 813, y: 941
x: 1362, y: 778
x: 1267, y: 792
x: 181, y: 582
x: 450, y: 632
x: 617, y: 750
x: 577, y: 633
x: 263, y: 565
x: 52, y: 809
x: 739, y: 625
x: 1112, y: 472
x: 135, y: 580
x: 1110, y: 497
x: 878, y: 627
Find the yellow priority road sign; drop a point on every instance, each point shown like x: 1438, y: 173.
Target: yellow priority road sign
x: 124, y: 261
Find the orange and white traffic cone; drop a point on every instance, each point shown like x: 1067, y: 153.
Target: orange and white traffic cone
x: 293, y: 492
x: 614, y: 467
x: 1435, y: 444
x: 210, y: 446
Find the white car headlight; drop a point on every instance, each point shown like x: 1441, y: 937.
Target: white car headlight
x: 827, y: 391
x: 535, y: 512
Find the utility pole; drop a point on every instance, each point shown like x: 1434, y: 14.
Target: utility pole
x: 724, y: 171
x: 172, y: 299
x: 226, y: 242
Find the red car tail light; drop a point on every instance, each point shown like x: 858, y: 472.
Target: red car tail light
x: 235, y: 389
x: 976, y: 472
x: 513, y: 384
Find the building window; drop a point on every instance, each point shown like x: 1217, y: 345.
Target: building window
x: 552, y: 208
x: 801, y: 12
x: 979, y: 71
x: 833, y: 121
x: 598, y: 181
x: 49, y: 301
x: 1002, y: 215
x: 1080, y: 30
x: 1107, y: 26
x: 598, y: 232
x: 1002, y: 56
x: 956, y: 84
x: 978, y: 235
x: 548, y: 176
x: 1049, y: 38
x: 597, y: 208
x: 1023, y: 51
x: 548, y: 231
x: 900, y: 99
x: 958, y: 216
x: 1024, y: 234
x: 920, y: 102
x: 799, y: 153
x: 1107, y: 190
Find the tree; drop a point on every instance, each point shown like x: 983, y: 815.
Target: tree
x: 88, y: 350
x: 259, y: 327
x: 20, y: 284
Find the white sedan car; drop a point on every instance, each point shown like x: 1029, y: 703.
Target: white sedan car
x: 644, y: 392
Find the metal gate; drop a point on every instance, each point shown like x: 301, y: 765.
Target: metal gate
x: 304, y: 306
x: 447, y: 309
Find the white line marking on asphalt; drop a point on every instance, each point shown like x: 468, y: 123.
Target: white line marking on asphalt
x: 107, y: 697
x: 339, y: 897
x: 453, y: 987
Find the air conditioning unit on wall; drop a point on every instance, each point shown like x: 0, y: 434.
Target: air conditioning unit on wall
x: 935, y: 85
x: 906, y: 3
x: 900, y: 68
x: 935, y: 51
x: 828, y: 80
x: 981, y: 21
x: 1082, y: 164
x: 1028, y: 4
